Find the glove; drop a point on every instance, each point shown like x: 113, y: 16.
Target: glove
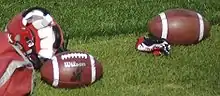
x: 157, y: 46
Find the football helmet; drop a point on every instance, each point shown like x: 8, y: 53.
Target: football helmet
x: 35, y: 33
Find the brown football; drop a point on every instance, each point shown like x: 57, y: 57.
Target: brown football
x: 71, y: 70
x: 180, y: 26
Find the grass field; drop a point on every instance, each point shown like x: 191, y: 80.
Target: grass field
x: 108, y: 29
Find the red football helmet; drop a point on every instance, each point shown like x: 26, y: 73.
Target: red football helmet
x: 26, y: 30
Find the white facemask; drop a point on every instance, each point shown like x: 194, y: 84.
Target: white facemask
x: 45, y: 32
x: 47, y: 39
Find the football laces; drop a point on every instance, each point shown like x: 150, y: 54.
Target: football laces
x: 74, y: 55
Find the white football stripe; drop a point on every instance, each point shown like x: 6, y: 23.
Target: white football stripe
x: 93, y: 69
x: 164, y: 25
x: 55, y: 71
x: 201, y: 27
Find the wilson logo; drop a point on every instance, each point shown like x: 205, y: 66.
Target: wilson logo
x: 73, y: 64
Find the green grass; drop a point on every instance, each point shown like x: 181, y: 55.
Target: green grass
x: 108, y: 30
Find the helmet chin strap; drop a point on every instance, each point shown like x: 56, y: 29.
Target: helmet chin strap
x: 21, y: 53
x: 36, y: 63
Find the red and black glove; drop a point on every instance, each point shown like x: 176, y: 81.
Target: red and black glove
x: 157, y: 46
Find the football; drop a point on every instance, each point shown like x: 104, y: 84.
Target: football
x: 180, y: 26
x: 71, y: 70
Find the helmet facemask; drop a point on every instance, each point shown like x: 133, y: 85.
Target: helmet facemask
x: 39, y: 28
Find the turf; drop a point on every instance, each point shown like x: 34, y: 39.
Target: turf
x: 108, y: 30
